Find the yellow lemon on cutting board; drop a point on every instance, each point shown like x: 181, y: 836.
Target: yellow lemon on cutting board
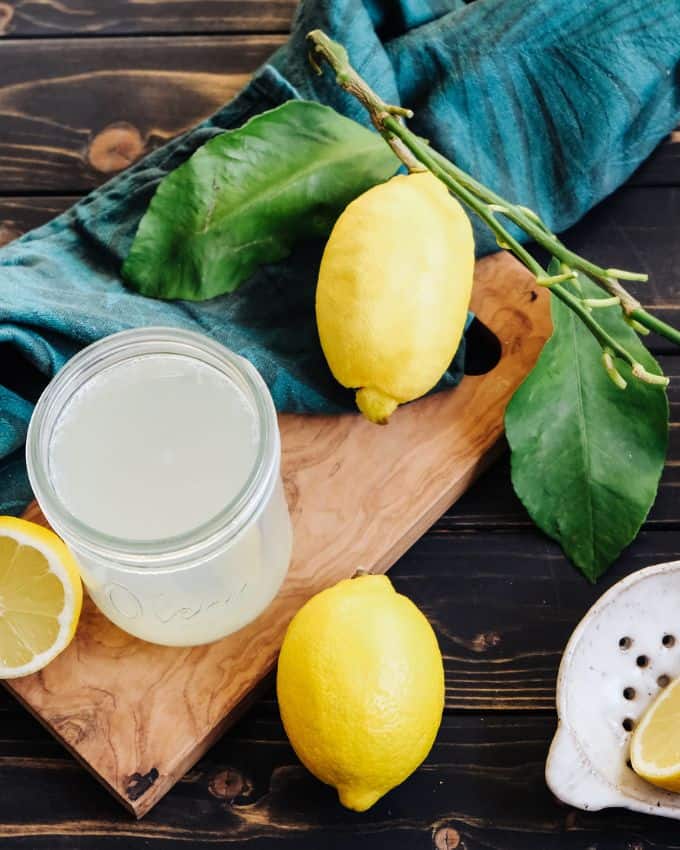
x: 393, y: 291
x: 655, y: 745
x: 40, y: 597
x: 360, y: 685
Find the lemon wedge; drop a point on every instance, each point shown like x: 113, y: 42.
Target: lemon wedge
x: 655, y: 745
x: 40, y: 597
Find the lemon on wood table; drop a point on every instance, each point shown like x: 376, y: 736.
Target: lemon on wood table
x: 360, y: 685
x: 393, y: 291
x: 655, y: 745
x: 40, y: 597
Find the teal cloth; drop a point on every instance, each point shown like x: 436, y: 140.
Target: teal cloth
x: 553, y: 104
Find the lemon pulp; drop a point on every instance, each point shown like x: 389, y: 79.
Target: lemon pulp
x: 655, y: 745
x: 40, y: 597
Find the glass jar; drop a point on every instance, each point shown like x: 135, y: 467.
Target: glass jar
x: 210, y: 579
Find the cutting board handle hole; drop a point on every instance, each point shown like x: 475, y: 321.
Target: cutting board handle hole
x: 482, y: 349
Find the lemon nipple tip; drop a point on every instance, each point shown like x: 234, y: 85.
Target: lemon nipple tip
x: 376, y: 405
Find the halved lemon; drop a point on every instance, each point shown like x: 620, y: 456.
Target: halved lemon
x: 655, y: 745
x: 40, y: 597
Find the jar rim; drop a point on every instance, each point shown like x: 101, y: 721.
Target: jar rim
x: 166, y: 553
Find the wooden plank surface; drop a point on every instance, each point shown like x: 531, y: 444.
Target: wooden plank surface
x: 26, y: 18
x: 74, y: 112
x: 482, y: 777
x: 482, y: 786
x: 20, y: 214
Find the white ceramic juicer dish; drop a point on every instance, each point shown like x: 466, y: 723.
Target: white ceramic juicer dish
x: 621, y: 654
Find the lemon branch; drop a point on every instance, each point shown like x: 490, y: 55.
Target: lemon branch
x: 418, y: 155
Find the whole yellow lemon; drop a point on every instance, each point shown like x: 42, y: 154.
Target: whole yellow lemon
x: 360, y: 685
x: 393, y: 291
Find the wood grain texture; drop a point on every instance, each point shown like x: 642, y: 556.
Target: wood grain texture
x: 18, y: 215
x: 65, y: 104
x: 481, y: 786
x: 252, y: 791
x: 140, y: 715
x: 503, y: 604
x: 29, y: 18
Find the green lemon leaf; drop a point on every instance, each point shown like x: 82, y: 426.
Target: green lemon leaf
x: 247, y: 196
x: 587, y: 456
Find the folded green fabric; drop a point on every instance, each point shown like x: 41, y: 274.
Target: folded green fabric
x: 553, y: 104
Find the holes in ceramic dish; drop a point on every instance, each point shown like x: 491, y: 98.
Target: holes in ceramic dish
x: 642, y: 661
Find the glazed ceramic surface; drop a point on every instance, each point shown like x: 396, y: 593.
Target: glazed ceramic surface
x: 624, y: 651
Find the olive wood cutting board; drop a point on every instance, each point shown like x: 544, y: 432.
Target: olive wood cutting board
x: 138, y: 716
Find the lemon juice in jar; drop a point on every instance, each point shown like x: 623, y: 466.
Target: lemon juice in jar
x: 155, y: 454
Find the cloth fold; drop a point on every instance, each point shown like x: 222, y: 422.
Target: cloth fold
x: 552, y: 104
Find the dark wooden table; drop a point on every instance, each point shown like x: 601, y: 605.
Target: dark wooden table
x: 87, y: 86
